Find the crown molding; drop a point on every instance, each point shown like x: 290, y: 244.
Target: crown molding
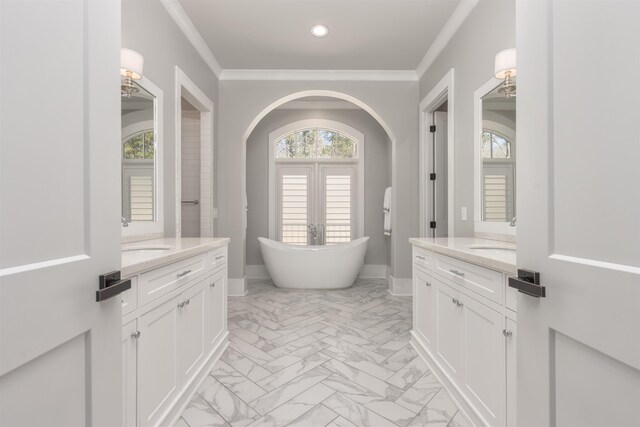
x: 457, y: 18
x: 186, y: 25
x: 324, y: 75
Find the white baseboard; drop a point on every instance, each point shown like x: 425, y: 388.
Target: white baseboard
x: 237, y: 287
x: 373, y: 271
x: 256, y: 272
x: 368, y: 271
x: 400, y: 287
x: 174, y: 413
x: 459, y: 399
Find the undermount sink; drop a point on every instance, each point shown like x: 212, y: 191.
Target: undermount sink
x: 509, y: 248
x: 147, y: 249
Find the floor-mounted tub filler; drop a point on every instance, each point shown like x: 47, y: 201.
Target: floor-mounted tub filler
x: 313, y: 267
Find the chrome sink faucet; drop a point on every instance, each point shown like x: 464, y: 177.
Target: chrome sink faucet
x: 513, y: 222
x: 124, y: 222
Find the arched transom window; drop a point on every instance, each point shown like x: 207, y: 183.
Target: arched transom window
x: 495, y: 146
x: 316, y: 143
x: 139, y: 146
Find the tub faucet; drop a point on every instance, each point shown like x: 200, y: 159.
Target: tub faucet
x: 124, y: 222
x: 513, y: 222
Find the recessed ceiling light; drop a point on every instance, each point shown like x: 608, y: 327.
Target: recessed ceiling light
x: 319, y: 30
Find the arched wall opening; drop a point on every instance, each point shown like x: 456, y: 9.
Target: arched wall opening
x: 374, y: 174
x: 377, y: 176
x: 243, y: 103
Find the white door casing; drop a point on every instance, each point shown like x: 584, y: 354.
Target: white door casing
x: 60, y: 357
x: 579, y: 213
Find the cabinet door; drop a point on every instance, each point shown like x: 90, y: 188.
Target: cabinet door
x: 512, y: 388
x: 217, y: 303
x: 449, y: 329
x: 157, y: 360
x: 129, y: 374
x: 425, y: 319
x: 191, y: 332
x: 483, y: 357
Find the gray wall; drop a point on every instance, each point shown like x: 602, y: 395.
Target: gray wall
x: 489, y: 29
x: 377, y: 177
x: 148, y: 29
x: 244, y: 102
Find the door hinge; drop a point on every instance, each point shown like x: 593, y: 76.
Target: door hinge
x: 432, y: 176
x: 432, y: 128
x: 432, y: 224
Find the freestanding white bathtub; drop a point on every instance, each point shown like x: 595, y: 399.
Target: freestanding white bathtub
x: 313, y: 267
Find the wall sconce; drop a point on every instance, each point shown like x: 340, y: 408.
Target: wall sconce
x: 505, y: 69
x: 131, y: 69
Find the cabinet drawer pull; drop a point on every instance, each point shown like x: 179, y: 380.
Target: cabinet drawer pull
x: 428, y: 284
x: 183, y: 303
x: 187, y: 302
x: 457, y: 273
x: 213, y: 285
x: 420, y: 257
x: 184, y: 273
x: 135, y: 334
x: 507, y: 333
x: 457, y: 302
x: 219, y: 257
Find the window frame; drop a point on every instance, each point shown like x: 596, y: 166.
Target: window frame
x: 357, y: 161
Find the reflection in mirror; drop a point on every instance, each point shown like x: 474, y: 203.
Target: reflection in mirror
x: 498, y: 154
x: 139, y: 156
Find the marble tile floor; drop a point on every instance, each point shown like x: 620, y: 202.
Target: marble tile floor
x: 312, y: 358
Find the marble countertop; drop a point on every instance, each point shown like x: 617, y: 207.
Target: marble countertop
x: 180, y: 248
x: 461, y: 248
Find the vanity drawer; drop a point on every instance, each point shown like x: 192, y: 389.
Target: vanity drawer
x: 423, y: 258
x: 155, y: 283
x: 217, y: 259
x: 129, y: 298
x: 483, y: 281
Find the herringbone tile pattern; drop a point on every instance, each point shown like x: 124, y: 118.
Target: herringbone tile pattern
x: 321, y: 358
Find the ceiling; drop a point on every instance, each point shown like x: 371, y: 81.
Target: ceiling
x: 275, y: 34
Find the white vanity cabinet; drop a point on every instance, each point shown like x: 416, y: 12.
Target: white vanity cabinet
x: 169, y: 342
x: 466, y: 333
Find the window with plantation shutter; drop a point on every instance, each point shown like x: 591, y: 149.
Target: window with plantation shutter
x: 316, y: 193
x: 338, y: 203
x: 497, y: 192
x: 294, y: 205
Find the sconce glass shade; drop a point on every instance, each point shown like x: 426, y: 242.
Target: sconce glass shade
x: 132, y: 62
x: 505, y: 61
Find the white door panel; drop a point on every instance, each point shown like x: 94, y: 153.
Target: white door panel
x: 579, y: 214
x: 449, y: 330
x: 158, y: 378
x: 59, y: 213
x: 191, y: 333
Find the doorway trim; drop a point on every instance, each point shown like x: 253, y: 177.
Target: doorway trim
x: 187, y: 89
x: 442, y: 91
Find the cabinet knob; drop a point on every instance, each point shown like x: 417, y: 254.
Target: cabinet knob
x: 420, y: 257
x: 219, y: 257
x: 507, y: 333
x: 457, y: 302
x: 135, y: 334
x: 184, y: 273
x: 213, y: 285
x: 428, y: 284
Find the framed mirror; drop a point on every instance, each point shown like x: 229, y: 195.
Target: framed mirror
x: 141, y: 160
x: 495, y: 160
